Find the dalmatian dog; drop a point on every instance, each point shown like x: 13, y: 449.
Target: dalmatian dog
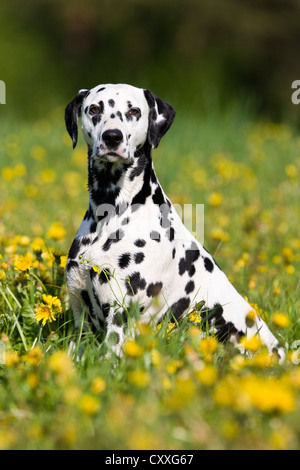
x: 132, y: 244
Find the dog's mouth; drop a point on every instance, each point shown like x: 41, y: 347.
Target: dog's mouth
x: 110, y: 156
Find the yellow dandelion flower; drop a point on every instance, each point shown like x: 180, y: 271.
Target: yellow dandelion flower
x: 290, y: 269
x: 7, y: 173
x: 47, y: 176
x: 215, y: 199
x: 155, y: 357
x: 89, y: 404
x: 195, y: 317
x: 281, y: 320
x: 208, y: 346
x: 291, y: 171
x: 34, y: 356
x: 62, y: 365
x: 56, y: 231
x: 63, y: 261
x: 287, y: 254
x: 133, y: 349
x: 38, y: 244
x: 49, y: 309
x: 23, y: 262
x: 44, y: 313
x: 98, y: 385
x: 219, y: 234
x: 174, y: 365
x: 96, y: 269
x: 139, y: 377
x: 32, y: 380
x: 207, y: 375
x: 251, y: 344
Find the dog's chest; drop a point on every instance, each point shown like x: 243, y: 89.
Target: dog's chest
x: 139, y: 251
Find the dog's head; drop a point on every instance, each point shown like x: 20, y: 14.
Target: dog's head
x: 118, y: 119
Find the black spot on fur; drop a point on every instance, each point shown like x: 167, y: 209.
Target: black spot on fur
x: 86, y: 298
x: 114, y: 237
x: 173, y: 253
x: 170, y: 234
x: 71, y: 264
x: 189, y: 287
x: 105, y: 309
x: 104, y: 276
x: 141, y: 196
x: 208, y: 265
x: 85, y: 240
x: 224, y: 329
x: 113, y: 338
x: 96, y: 119
x: 100, y: 89
x: 154, y: 289
x: 124, y: 260
x: 120, y: 318
x: 75, y: 247
x: 93, y: 227
x: 187, y: 263
x: 179, y: 307
x: 138, y: 257
x: 111, y: 103
x: 135, y: 283
x: 140, y: 243
x: 158, y: 197
x: 120, y: 115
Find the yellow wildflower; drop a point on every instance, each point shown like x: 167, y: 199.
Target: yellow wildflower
x: 291, y: 171
x: 23, y: 263
x: 32, y: 380
x: 89, y: 404
x: 215, y: 199
x: 98, y: 385
x: 155, y: 357
x: 281, y: 320
x: 251, y: 344
x: 63, y: 261
x: 195, y: 317
x: 49, y: 309
x: 174, y: 365
x: 207, y: 375
x: 96, y: 269
x: 208, y: 347
x: 62, y: 365
x: 56, y: 231
x: 139, y: 378
x: 133, y: 349
x: 34, y: 356
x: 219, y: 234
x: 38, y: 244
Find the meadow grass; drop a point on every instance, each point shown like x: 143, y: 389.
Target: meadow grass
x: 175, y: 387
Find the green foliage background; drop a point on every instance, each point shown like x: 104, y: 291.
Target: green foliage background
x: 189, y: 51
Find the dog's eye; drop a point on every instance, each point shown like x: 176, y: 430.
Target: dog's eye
x: 134, y: 111
x: 94, y: 109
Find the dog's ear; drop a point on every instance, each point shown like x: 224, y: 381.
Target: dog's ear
x: 71, y: 115
x: 161, y: 116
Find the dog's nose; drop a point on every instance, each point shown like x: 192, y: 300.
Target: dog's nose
x: 112, y: 138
